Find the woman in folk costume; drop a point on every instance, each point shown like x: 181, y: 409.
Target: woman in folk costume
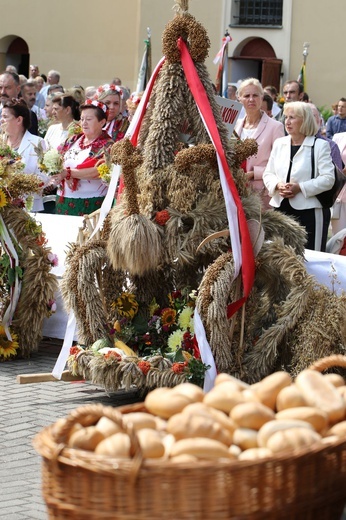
x: 117, y: 124
x: 259, y: 126
x: 80, y: 190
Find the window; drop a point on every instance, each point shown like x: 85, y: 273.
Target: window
x: 258, y: 13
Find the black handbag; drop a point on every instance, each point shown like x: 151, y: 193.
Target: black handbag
x: 327, y: 198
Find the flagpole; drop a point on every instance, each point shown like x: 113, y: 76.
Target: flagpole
x: 224, y: 82
x: 302, y: 74
x: 305, y: 51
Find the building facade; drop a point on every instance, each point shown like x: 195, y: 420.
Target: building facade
x: 90, y: 43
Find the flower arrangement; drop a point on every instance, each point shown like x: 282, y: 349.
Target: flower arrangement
x: 105, y: 169
x: 15, y: 185
x: 161, y: 345
x: 49, y: 161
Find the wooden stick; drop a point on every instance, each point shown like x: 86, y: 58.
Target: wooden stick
x: 45, y: 377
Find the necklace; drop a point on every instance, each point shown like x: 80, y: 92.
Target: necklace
x: 83, y: 146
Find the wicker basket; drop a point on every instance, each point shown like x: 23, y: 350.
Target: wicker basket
x: 310, y: 484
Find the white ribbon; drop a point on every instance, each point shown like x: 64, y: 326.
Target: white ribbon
x: 8, y: 246
x: 65, y: 349
x: 206, y: 353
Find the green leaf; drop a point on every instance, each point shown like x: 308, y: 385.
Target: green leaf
x: 19, y: 272
x: 11, y: 276
x: 5, y: 261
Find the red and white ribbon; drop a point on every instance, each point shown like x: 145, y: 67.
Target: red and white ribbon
x: 219, y: 55
x: 244, y: 259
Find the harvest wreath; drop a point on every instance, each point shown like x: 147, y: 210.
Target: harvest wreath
x: 27, y: 286
x: 186, y: 218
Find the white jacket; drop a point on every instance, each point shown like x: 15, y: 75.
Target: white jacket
x: 278, y: 166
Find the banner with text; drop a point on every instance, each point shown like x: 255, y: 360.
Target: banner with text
x: 230, y: 110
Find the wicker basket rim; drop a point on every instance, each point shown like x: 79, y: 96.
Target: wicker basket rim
x: 48, y: 448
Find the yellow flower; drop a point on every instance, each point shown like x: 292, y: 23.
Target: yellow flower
x: 8, y: 348
x: 3, y: 199
x: 175, y: 340
x: 153, y: 307
x: 104, y: 172
x: 168, y: 316
x: 126, y: 305
x: 185, y: 320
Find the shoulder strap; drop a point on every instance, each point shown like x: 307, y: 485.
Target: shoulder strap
x: 313, y: 159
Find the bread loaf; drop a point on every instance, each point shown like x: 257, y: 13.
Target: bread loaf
x: 338, y: 429
x: 86, y: 438
x: 276, y: 425
x: 293, y: 439
x: 221, y: 378
x: 117, y: 445
x: 223, y: 398
x: 140, y: 420
x: 255, y: 454
x: 267, y: 390
x: 151, y: 443
x: 193, y: 392
x: 164, y: 403
x: 317, y: 418
x: 201, y: 448
x: 251, y: 415
x: 289, y: 397
x: 107, y: 426
x: 245, y: 438
x: 321, y: 393
x: 184, y: 426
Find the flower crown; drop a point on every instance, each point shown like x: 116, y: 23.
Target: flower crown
x: 134, y: 100
x: 107, y: 89
x: 98, y: 104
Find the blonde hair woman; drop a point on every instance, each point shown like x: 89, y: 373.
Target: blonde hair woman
x: 259, y: 126
x: 290, y: 180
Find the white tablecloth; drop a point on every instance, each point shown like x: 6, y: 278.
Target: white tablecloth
x: 60, y: 230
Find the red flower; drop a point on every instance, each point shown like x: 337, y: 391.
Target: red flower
x: 41, y: 240
x: 86, y: 203
x: 111, y: 354
x: 178, y: 368
x: 74, y: 351
x: 71, y: 204
x: 162, y: 217
x: 144, y: 366
x: 196, y: 352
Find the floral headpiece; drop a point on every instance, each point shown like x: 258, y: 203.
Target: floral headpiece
x: 107, y: 90
x: 96, y: 103
x: 134, y: 100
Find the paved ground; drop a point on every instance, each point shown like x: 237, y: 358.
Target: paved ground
x: 24, y: 411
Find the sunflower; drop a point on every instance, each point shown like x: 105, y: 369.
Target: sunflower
x: 126, y: 305
x: 7, y: 348
x: 168, y: 316
x: 3, y: 199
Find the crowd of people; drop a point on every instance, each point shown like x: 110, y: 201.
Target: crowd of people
x: 38, y: 115
x: 81, y: 123
x: 288, y: 135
